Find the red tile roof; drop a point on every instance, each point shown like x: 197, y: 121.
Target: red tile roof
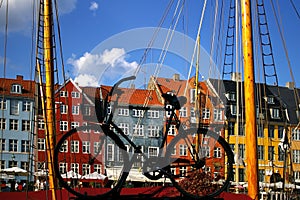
x: 28, y: 87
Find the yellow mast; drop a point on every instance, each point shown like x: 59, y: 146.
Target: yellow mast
x: 250, y: 110
x: 49, y: 84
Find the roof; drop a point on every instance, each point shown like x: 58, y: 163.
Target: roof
x: 27, y: 87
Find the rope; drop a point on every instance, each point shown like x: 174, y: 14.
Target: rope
x: 195, y: 46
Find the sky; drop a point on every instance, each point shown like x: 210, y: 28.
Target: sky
x: 103, y: 40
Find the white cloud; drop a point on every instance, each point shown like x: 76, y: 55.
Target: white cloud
x: 94, y: 6
x: 86, y: 80
x: 20, y: 13
x: 106, y: 66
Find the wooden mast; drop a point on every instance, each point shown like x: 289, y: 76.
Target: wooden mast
x: 250, y: 110
x: 49, y: 96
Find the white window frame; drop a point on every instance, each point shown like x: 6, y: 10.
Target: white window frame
x: 138, y: 129
x: 172, y: 130
x: 183, y: 150
x: 26, y: 125
x: 75, y: 110
x: 86, y: 169
x: 75, y: 94
x: 63, y: 109
x: 74, y: 125
x: 86, y: 147
x: 153, y: 151
x: 63, y: 166
x: 218, y: 114
x: 183, y: 112
x: 153, y: 130
x: 137, y: 113
x: 63, y: 125
x: 64, y: 147
x: 205, y: 113
x: 63, y: 93
x: 14, y: 107
x: 123, y: 111
x: 110, y: 152
x: 75, y: 167
x: 41, y: 144
x: 74, y: 146
x: 16, y: 88
x: 26, y: 106
x: 124, y: 127
x: 153, y: 114
x: 14, y: 124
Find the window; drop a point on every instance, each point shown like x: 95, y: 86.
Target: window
x: 217, y: 114
x: 230, y: 128
x: 74, y: 146
x: 41, y: 144
x: 3, y: 104
x: 241, y: 150
x: 138, y: 129
x: 233, y: 109
x: 13, y: 145
x: 63, y: 93
x: 110, y: 152
x: 183, y: 150
x: 241, y: 129
x: 26, y: 105
x: 2, y: 144
x: 75, y: 94
x: 74, y: 125
x: 271, y: 131
x: 231, y: 96
x: 270, y: 100
x: 192, y: 95
x: 75, y: 167
x: 296, y: 156
x: 296, y: 134
x: 123, y: 111
x: 152, y: 151
x: 137, y: 113
x: 16, y: 88
x: 12, y: 163
x: 86, y: 147
x: 41, y: 124
x: 205, y: 151
x: 168, y: 110
x: 86, y: 168
x: 153, y: 131
x: 64, y: 147
x: 63, y: 109
x: 13, y: 124
x: 97, y: 168
x: 2, y: 123
x: 217, y: 152
x: 270, y: 153
x: 26, y: 125
x: 280, y: 132
x: 205, y: 113
x: 25, y: 165
x: 193, y: 115
x: 25, y: 144
x: 183, y: 112
x: 97, y: 147
x: 2, y: 164
x: 124, y: 127
x: 63, y: 125
x: 182, y: 171
x: 153, y: 114
x: 274, y: 112
x: 260, y: 152
x: 280, y: 154
x: 260, y: 131
x: 241, y: 175
x: 86, y: 111
x: 172, y: 130
x: 63, y: 167
x: 75, y: 110
x: 14, y: 107
x: 297, y: 176
x: 261, y: 175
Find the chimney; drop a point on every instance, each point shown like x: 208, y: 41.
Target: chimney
x: 290, y: 85
x: 176, y: 77
x: 236, y: 76
x: 19, y: 77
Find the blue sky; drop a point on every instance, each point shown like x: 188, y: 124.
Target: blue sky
x: 90, y: 31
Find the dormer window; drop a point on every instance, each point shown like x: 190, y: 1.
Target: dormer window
x: 270, y: 100
x: 16, y: 88
x: 231, y: 96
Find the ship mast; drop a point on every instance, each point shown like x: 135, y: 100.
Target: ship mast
x: 49, y: 94
x: 250, y: 110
